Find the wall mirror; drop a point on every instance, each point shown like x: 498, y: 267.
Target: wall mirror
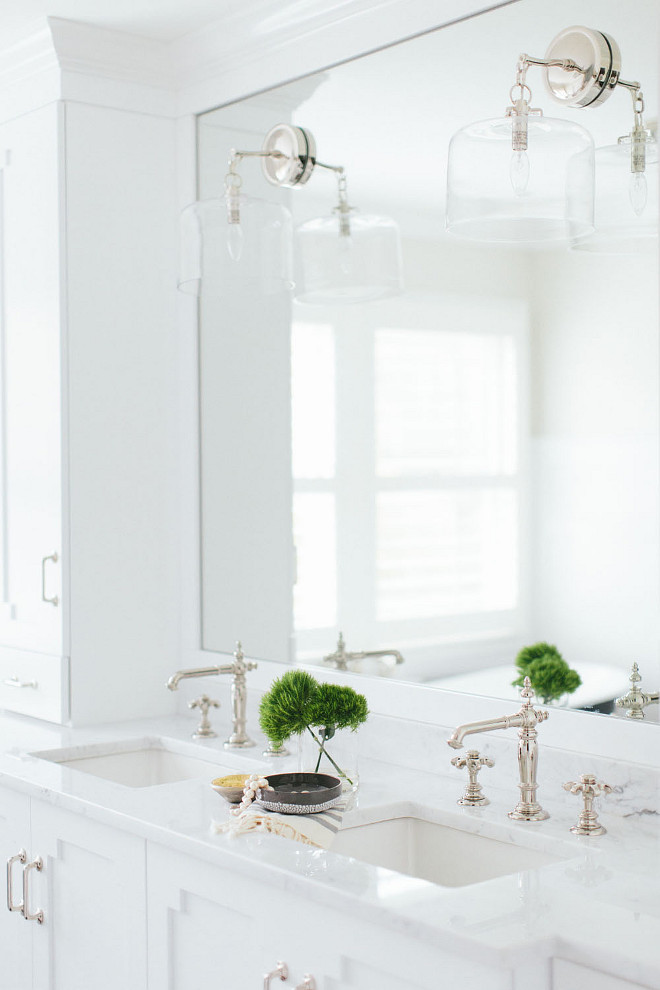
x: 459, y: 470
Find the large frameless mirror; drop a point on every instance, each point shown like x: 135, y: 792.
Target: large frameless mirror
x: 449, y: 474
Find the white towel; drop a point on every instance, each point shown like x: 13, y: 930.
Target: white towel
x: 313, y: 830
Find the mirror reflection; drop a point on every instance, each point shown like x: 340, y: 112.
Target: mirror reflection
x: 450, y: 474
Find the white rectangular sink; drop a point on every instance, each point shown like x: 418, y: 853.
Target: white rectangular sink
x: 138, y: 762
x: 438, y: 853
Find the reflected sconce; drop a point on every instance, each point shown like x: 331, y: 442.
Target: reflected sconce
x: 241, y: 241
x: 526, y: 178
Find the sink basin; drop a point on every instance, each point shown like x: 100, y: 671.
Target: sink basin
x: 439, y: 853
x: 138, y: 762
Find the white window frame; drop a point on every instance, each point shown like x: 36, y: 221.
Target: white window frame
x: 431, y: 647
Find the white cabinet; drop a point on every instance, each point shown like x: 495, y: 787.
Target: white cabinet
x: 31, y: 587
x: 15, y: 934
x: 88, y: 431
x: 571, y: 976
x: 91, y: 891
x: 215, y: 927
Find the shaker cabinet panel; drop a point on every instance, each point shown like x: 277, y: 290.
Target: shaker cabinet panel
x: 204, y: 929
x: 571, y: 976
x: 31, y: 586
x: 15, y: 935
x: 210, y: 926
x: 92, y: 893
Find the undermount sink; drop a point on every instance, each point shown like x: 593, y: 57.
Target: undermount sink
x: 138, y: 762
x: 441, y: 854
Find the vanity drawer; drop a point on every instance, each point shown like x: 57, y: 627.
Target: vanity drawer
x: 570, y: 976
x: 34, y: 684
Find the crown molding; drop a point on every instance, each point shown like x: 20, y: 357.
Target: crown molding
x: 269, y: 42
x: 254, y: 47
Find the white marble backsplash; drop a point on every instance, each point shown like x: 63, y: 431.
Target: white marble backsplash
x: 422, y: 746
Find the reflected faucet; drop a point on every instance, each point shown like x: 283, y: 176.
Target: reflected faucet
x: 526, y: 720
x: 342, y: 657
x: 636, y: 700
x: 239, y: 738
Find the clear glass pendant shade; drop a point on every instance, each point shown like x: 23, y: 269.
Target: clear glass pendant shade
x: 626, y: 209
x: 235, y: 243
x: 347, y: 258
x: 542, y: 194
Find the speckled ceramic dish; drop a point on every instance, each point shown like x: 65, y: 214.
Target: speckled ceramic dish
x: 300, y: 793
x: 232, y: 790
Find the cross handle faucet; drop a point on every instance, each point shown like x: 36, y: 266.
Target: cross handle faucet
x: 525, y: 720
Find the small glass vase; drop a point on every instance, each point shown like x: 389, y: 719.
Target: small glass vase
x: 336, y: 754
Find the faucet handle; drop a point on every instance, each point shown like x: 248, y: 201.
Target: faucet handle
x: 474, y: 762
x: 204, y: 730
x: 589, y: 788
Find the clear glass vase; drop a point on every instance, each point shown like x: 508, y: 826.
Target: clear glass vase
x: 335, y: 754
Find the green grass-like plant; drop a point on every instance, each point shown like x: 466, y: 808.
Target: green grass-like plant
x: 547, y: 670
x: 298, y: 703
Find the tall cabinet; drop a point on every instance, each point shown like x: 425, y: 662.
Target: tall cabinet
x: 89, y: 626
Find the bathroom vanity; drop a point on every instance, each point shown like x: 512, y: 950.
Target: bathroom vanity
x: 134, y: 890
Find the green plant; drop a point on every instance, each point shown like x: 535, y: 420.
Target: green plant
x: 297, y: 703
x: 547, y: 670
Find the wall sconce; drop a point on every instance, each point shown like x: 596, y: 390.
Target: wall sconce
x: 345, y: 257
x: 527, y: 178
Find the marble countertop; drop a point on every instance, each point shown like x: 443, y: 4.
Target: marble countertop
x: 597, y: 905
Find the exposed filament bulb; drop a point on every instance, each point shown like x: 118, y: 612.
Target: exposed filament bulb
x: 345, y: 253
x: 519, y: 172
x: 638, y: 192
x: 235, y: 241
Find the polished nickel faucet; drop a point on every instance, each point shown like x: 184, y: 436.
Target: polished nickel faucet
x: 239, y: 738
x: 526, y: 720
x: 637, y: 700
x: 342, y: 657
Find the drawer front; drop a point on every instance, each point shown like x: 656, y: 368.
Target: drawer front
x: 34, y: 684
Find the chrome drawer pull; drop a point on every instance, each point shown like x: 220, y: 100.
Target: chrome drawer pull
x: 44, y: 597
x: 281, y: 970
x: 20, y: 857
x: 16, y: 682
x: 38, y: 916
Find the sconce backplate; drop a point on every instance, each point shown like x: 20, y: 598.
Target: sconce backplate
x: 299, y: 150
x: 599, y: 58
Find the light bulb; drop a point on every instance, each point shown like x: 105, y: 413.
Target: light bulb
x: 638, y: 192
x: 235, y: 241
x: 345, y: 254
x: 519, y: 172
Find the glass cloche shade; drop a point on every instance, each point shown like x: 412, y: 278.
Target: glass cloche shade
x: 347, y: 258
x: 237, y: 243
x: 543, y: 194
x: 626, y: 206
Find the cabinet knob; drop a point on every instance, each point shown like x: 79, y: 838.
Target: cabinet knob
x: 38, y: 916
x: 20, y: 857
x: 281, y: 971
x: 308, y: 983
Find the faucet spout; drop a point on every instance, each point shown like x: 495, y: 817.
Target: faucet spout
x: 486, y: 725
x: 239, y: 738
x: 525, y: 720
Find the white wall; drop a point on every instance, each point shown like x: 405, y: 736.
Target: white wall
x: 595, y: 458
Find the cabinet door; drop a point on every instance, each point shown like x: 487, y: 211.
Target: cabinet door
x: 218, y: 928
x: 30, y: 383
x: 204, y: 925
x: 92, y: 893
x: 571, y: 976
x: 15, y: 935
